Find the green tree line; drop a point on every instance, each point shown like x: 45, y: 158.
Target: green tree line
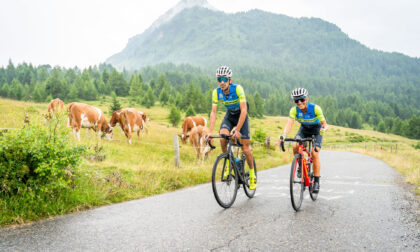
x: 189, y: 89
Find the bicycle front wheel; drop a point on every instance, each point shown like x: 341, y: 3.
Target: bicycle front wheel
x: 248, y: 192
x: 224, y: 181
x: 297, y: 185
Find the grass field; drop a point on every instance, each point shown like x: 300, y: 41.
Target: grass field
x: 147, y: 166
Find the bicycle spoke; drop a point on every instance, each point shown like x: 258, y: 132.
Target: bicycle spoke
x: 296, y: 184
x: 224, y: 184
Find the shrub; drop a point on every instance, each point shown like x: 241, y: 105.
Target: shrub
x: 259, y: 135
x: 190, y: 111
x: 37, y: 158
x: 417, y: 147
x: 174, y: 116
x: 356, y: 139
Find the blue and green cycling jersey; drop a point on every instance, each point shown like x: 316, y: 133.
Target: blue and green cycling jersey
x: 312, y: 118
x: 232, y: 100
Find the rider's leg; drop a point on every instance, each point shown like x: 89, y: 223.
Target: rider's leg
x: 246, y: 149
x: 316, y: 162
x: 315, y: 155
x: 299, y: 135
x: 295, y: 148
x: 223, y: 142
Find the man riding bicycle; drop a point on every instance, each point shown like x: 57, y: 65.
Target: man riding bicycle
x: 311, y: 119
x: 233, y: 97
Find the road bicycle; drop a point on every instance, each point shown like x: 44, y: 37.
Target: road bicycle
x: 229, y: 172
x: 301, y: 173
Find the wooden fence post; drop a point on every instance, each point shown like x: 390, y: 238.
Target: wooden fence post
x: 267, y: 142
x: 176, y: 149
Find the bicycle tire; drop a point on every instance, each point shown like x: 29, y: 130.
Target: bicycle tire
x: 248, y: 192
x: 224, y: 188
x: 296, y: 191
x: 314, y: 196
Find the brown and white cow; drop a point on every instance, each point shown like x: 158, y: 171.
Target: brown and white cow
x: 145, y: 121
x: 85, y: 116
x: 198, y: 141
x: 189, y: 123
x: 129, y: 120
x: 54, y: 107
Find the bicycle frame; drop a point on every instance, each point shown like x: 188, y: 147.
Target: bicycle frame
x: 302, y: 150
x: 231, y: 156
x: 304, y: 161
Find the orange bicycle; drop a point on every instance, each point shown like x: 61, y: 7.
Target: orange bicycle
x: 301, y: 173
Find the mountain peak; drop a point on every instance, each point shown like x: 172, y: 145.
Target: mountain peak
x: 180, y: 6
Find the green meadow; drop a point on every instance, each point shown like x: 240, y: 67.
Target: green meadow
x: 115, y: 171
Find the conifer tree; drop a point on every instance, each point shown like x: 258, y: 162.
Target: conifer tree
x: 115, y: 104
x: 174, y: 116
x: 190, y: 111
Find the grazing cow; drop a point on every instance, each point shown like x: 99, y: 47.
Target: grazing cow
x: 55, y: 106
x: 189, y: 123
x: 115, y: 118
x: 145, y: 120
x: 197, y: 140
x: 85, y: 116
x: 129, y: 120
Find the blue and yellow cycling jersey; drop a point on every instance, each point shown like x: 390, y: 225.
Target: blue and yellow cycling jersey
x: 232, y: 100
x: 312, y: 118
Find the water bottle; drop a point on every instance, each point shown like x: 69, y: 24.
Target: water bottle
x: 237, y: 163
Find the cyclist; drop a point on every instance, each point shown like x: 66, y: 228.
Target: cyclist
x: 233, y: 97
x: 311, y: 119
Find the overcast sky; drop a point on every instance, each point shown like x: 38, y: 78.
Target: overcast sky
x: 86, y: 32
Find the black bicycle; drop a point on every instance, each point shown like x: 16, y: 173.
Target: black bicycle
x: 229, y: 172
x: 301, y: 173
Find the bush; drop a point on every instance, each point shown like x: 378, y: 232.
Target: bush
x: 417, y: 147
x: 115, y: 104
x: 37, y: 158
x: 174, y: 116
x: 259, y: 135
x: 356, y: 139
x: 190, y: 111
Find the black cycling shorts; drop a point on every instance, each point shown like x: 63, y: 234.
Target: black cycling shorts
x: 231, y: 121
x: 304, y: 134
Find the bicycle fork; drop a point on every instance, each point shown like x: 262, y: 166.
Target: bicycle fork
x: 305, y: 171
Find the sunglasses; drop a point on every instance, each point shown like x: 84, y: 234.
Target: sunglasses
x: 224, y: 79
x: 300, y: 100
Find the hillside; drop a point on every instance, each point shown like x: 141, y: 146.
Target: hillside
x: 275, y: 52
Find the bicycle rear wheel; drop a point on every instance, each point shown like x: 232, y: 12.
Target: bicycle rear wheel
x: 225, y: 184
x: 296, y: 184
x: 248, y: 192
x: 314, y: 196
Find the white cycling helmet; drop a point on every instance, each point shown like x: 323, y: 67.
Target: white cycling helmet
x: 224, y: 71
x: 299, y: 93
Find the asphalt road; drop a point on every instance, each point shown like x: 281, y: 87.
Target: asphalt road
x: 362, y: 205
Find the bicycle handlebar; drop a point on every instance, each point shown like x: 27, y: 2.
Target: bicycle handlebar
x: 227, y: 137
x: 300, y: 141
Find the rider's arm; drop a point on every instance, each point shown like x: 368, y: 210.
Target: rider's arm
x: 213, y: 114
x: 292, y: 117
x: 321, y: 117
x: 242, y: 117
x: 242, y: 103
x: 288, y: 126
x: 213, y: 118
